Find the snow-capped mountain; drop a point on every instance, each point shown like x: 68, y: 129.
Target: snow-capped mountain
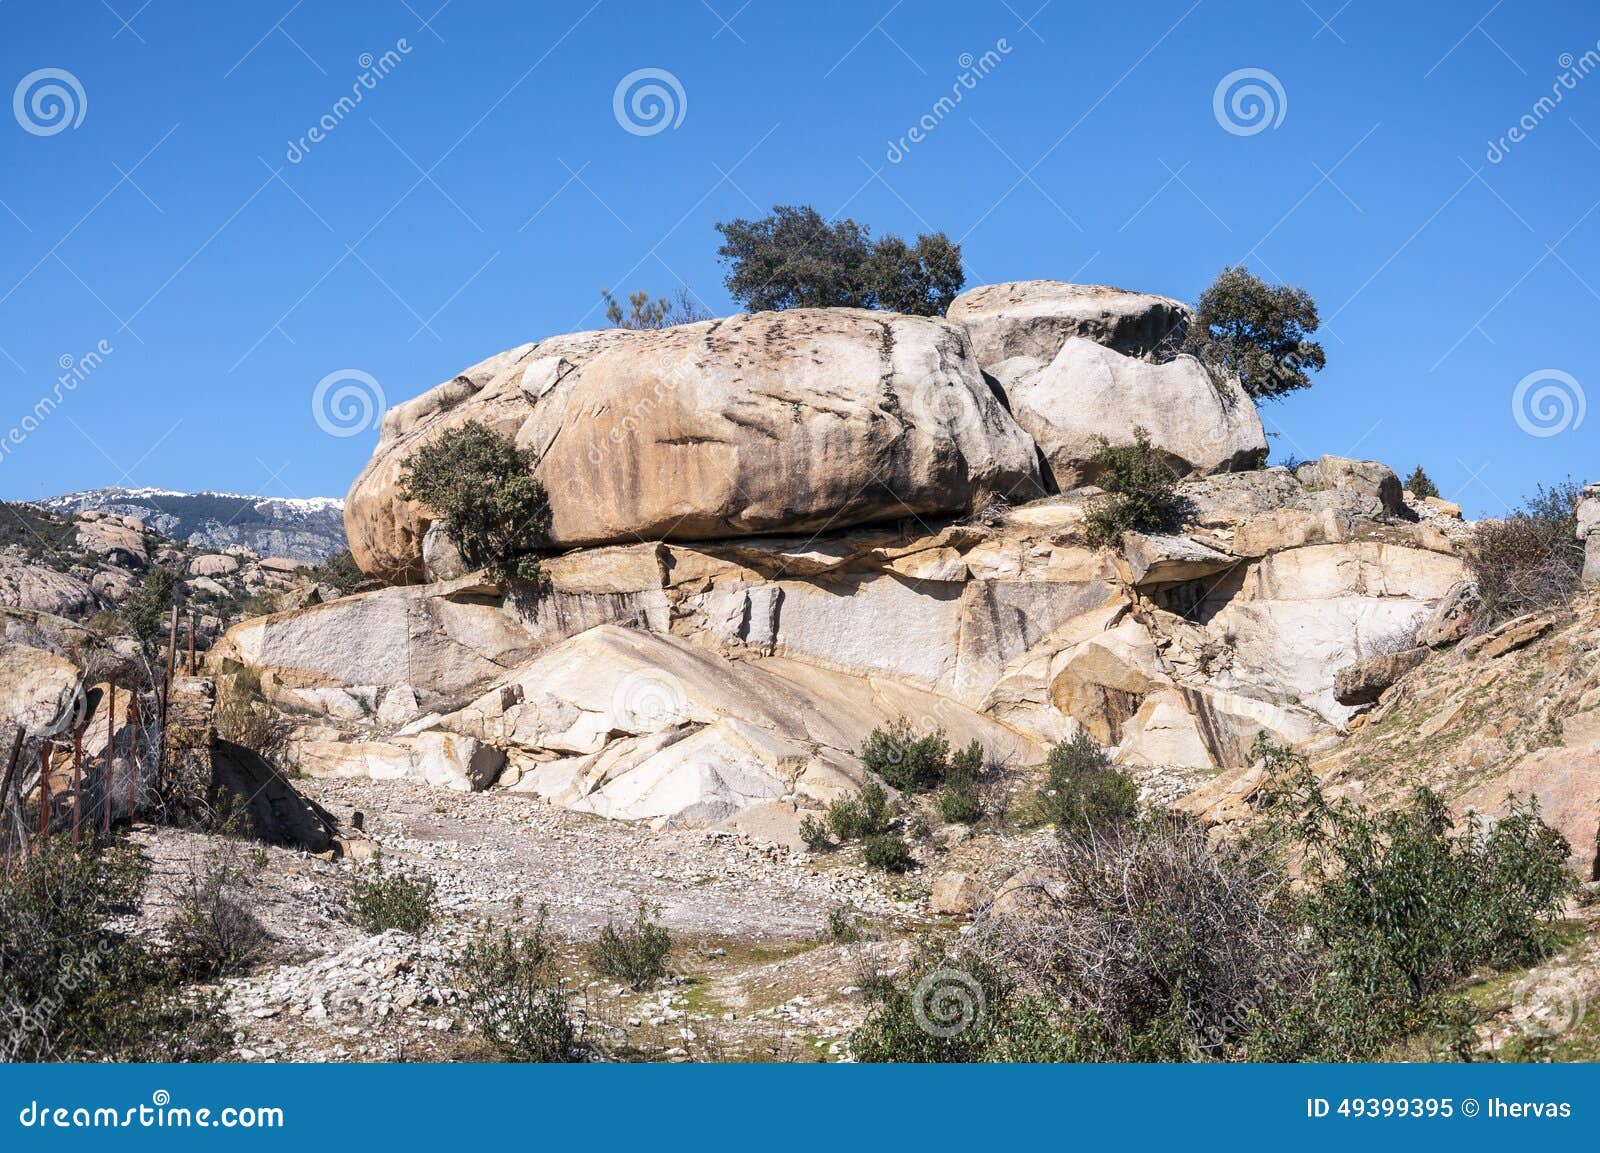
x: 302, y: 529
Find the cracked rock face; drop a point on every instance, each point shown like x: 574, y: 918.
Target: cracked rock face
x: 790, y: 421
x: 1035, y: 318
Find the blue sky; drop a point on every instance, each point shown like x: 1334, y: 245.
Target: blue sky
x: 484, y: 191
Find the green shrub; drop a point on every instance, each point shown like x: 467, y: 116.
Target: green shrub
x: 1420, y: 485
x: 381, y: 900
x: 794, y: 258
x: 1257, y: 332
x: 495, y: 510
x: 340, y: 571
x: 147, y: 613
x: 814, y: 833
x: 72, y: 987
x: 636, y: 954
x: 1140, y: 492
x: 864, y: 815
x: 960, y: 799
x: 516, y: 999
x: 1083, y: 790
x: 842, y: 927
x: 906, y: 761
x: 887, y: 852
x: 682, y: 307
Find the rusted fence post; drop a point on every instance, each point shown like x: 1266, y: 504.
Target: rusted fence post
x: 77, y: 785
x: 44, y: 788
x: 194, y: 623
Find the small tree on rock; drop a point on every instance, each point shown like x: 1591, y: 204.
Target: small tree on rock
x: 1420, y: 484
x: 1257, y: 331
x: 682, y: 307
x: 496, y: 510
x: 794, y: 258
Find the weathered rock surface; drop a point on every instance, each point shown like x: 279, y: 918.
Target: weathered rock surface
x: 789, y: 421
x: 1566, y: 783
x: 1363, y: 682
x: 1089, y: 391
x: 41, y: 589
x: 1036, y: 317
x: 1588, y: 512
x: 37, y: 691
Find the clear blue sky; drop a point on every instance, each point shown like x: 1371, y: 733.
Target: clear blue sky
x: 483, y: 191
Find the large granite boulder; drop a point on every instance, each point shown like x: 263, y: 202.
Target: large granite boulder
x: 1089, y: 392
x: 1036, y: 317
x: 44, y: 590
x: 790, y: 421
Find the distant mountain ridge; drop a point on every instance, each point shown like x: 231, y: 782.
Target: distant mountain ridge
x: 310, y: 529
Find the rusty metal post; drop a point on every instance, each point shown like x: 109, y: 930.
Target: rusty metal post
x: 133, y: 753
x: 44, y: 788
x: 77, y: 785
x: 194, y: 623
x: 5, y: 791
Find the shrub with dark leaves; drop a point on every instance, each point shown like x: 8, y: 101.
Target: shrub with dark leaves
x: 1140, y: 492
x: 1083, y: 790
x: 635, y: 954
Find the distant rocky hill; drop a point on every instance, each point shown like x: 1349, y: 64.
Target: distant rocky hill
x: 311, y: 530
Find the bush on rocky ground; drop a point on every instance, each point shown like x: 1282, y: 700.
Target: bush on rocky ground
x: 635, y: 954
x: 682, y: 307
x: 1083, y: 791
x: 242, y: 714
x: 215, y: 933
x: 496, y: 511
x: 517, y: 999
x: 864, y: 815
x: 906, y: 761
x: 888, y: 852
x: 72, y: 988
x: 1530, y: 560
x: 381, y: 900
x: 1140, y: 492
x: 1420, y: 485
x: 960, y: 799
